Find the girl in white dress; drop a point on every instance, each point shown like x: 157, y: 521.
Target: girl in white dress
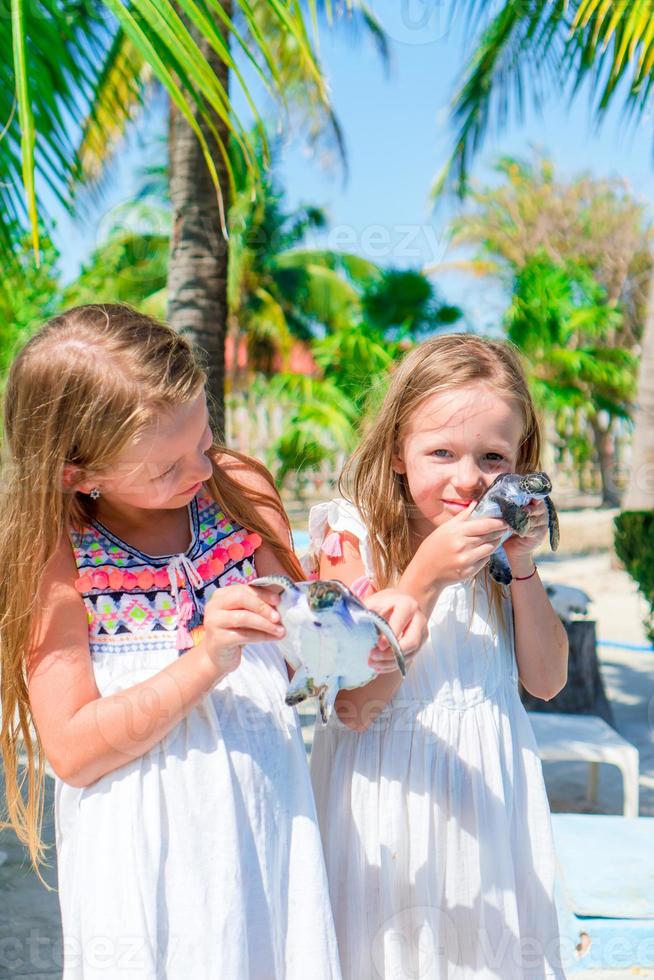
x: 187, y: 841
x: 429, y: 791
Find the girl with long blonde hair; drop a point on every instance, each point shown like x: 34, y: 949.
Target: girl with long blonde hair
x: 137, y: 660
x: 429, y: 790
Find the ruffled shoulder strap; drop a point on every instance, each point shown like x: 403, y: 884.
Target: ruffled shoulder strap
x: 328, y: 523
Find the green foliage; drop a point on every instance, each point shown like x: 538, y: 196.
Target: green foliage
x: 349, y: 312
x: 575, y: 257
x: 356, y: 360
x: 128, y: 268
x: 634, y: 546
x: 586, y: 222
x: 72, y: 67
x: 560, y: 319
x: 81, y: 66
x: 320, y: 421
x: 354, y: 319
x: 393, y: 309
x: 278, y: 289
x: 406, y: 302
x: 28, y: 295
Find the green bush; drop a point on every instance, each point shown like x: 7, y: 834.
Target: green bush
x: 634, y: 546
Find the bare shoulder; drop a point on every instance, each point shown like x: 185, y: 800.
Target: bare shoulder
x: 60, y: 674
x: 58, y: 580
x: 349, y: 566
x: 60, y: 614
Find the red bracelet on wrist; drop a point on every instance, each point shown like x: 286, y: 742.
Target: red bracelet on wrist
x: 523, y: 578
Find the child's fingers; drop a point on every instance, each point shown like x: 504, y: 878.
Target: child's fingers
x: 414, y: 635
x: 242, y: 636
x: 464, y: 514
x: 494, y: 539
x: 384, y: 668
x: 382, y: 657
x: 259, y: 600
x: 401, y: 612
x: 386, y: 663
x: 484, y: 551
x: 409, y: 627
x: 238, y: 620
x: 487, y: 525
x: 382, y: 661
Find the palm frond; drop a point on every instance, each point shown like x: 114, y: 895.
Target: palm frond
x: 494, y: 82
x: 266, y: 323
x: 68, y: 63
x: 25, y: 117
x: 557, y: 43
x: 325, y: 296
x: 117, y: 95
x: 48, y: 73
x: 357, y: 269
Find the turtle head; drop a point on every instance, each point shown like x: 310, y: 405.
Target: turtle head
x: 325, y: 594
x: 536, y: 484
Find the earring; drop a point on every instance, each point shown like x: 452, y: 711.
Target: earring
x: 94, y: 494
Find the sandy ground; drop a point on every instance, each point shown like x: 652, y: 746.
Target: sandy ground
x: 29, y: 922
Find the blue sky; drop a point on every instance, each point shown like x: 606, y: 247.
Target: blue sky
x: 398, y: 135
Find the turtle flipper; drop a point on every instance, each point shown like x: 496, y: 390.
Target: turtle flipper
x: 358, y: 610
x: 553, y: 521
x: 288, y: 644
x: 300, y: 688
x: 384, y: 629
x: 515, y: 516
x: 499, y: 567
x: 280, y: 580
x: 326, y: 700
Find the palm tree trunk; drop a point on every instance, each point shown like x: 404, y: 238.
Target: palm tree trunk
x: 640, y: 491
x: 606, y: 456
x: 197, y: 272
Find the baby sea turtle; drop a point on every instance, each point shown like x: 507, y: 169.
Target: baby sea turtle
x: 506, y: 497
x: 329, y: 636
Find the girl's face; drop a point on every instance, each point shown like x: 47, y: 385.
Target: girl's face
x: 164, y: 467
x: 456, y: 443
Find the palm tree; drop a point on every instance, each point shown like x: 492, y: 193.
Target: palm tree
x: 324, y: 414
x: 594, y: 222
x: 530, y: 231
x: 560, y: 319
x: 279, y: 289
x: 79, y: 70
x: 561, y: 43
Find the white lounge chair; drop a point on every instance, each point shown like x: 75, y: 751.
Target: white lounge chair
x: 587, y: 738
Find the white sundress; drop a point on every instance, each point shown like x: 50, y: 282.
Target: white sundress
x: 201, y: 859
x: 435, y: 821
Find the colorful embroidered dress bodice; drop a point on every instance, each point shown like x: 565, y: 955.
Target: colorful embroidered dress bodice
x: 137, y: 602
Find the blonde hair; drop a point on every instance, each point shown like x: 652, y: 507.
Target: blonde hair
x: 437, y: 365
x: 90, y: 381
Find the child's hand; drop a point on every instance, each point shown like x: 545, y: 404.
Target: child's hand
x: 517, y: 548
x: 236, y: 615
x: 460, y: 548
x: 404, y: 617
